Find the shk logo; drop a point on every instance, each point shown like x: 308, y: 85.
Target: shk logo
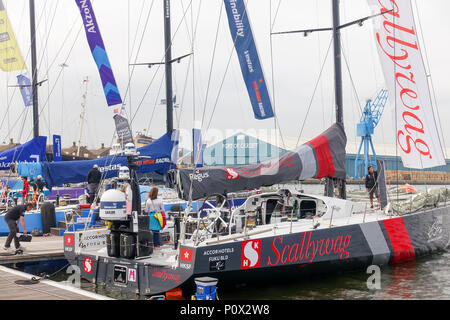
x: 69, y: 240
x: 87, y: 265
x: 232, y: 174
x: 186, y: 255
x: 251, y: 254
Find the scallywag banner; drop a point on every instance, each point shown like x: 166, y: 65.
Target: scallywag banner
x: 398, y: 48
x: 244, y: 43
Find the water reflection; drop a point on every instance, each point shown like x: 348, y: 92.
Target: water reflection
x: 399, y: 283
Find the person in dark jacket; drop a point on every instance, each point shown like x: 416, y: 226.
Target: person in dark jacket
x: 372, y: 185
x: 11, y: 218
x: 40, y: 184
x: 93, y: 179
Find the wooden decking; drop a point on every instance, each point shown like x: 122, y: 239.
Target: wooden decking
x: 39, y: 249
x: 44, y: 290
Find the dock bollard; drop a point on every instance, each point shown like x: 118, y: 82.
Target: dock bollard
x: 206, y: 288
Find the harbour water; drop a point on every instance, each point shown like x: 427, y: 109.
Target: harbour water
x: 426, y: 278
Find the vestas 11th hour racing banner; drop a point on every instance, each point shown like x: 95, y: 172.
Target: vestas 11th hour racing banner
x: 244, y: 43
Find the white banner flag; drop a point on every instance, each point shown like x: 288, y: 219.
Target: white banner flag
x: 398, y: 47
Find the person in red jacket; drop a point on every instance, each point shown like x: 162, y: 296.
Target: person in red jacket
x: 25, y: 189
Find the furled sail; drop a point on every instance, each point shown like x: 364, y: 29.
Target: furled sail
x: 159, y: 158
x: 244, y: 43
x: 398, y: 48
x: 324, y: 156
x: 32, y: 151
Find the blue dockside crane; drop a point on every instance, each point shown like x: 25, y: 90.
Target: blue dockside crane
x: 365, y: 128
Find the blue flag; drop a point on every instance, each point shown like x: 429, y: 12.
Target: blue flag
x: 25, y: 89
x: 244, y: 43
x: 57, y: 156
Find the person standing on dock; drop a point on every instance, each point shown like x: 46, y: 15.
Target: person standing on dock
x: 153, y: 205
x: 11, y: 218
x: 93, y: 179
x: 372, y: 185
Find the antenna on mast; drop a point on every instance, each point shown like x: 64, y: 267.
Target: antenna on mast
x: 34, y: 82
x: 83, y: 114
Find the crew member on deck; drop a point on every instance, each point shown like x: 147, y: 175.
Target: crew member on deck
x: 153, y: 205
x: 372, y: 185
x: 40, y: 184
x: 94, y: 177
x: 25, y: 189
x: 11, y: 218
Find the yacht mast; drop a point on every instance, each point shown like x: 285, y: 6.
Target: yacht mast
x: 337, y: 87
x: 168, y: 65
x: 34, y: 70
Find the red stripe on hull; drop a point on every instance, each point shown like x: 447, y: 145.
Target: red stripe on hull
x: 400, y: 241
x: 324, y: 157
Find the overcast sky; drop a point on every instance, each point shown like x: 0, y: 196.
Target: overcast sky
x: 291, y: 78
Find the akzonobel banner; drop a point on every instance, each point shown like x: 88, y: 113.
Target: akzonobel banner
x: 404, y: 71
x: 98, y: 50
x: 100, y: 56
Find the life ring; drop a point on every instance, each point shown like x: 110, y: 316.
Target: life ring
x: 408, y: 188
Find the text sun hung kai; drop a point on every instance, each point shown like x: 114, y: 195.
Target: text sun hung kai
x: 405, y: 74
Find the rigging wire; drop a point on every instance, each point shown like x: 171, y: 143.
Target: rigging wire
x: 191, y: 60
x: 351, y: 80
x: 59, y: 75
x: 431, y: 79
x: 272, y: 25
x: 318, y: 61
x: 54, y: 60
x: 7, y: 74
x: 26, y: 58
x: 314, y: 92
x: 211, y: 66
x: 159, y: 65
x: 137, y: 54
x: 344, y: 40
x: 156, y: 102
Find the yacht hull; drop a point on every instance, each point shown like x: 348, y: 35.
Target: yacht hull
x: 267, y: 257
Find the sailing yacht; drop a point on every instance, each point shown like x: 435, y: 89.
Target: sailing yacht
x: 285, y: 233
